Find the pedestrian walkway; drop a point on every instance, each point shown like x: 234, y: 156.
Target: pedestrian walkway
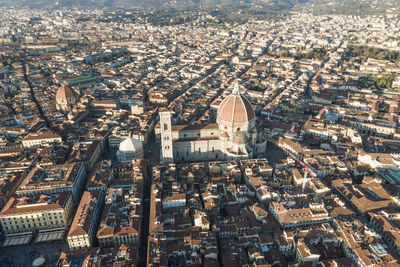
x: 50, y: 235
x: 18, y: 239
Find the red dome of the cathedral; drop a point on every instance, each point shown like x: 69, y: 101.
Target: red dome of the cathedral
x: 65, y: 92
x: 235, y: 108
x: 65, y: 98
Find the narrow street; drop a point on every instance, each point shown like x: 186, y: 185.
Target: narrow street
x: 152, y: 156
x: 33, y: 94
x: 222, y: 90
x: 144, y: 231
x: 193, y: 83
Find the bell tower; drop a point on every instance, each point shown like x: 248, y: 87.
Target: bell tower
x: 167, y: 155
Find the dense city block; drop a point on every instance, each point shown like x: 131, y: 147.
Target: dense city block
x: 199, y: 141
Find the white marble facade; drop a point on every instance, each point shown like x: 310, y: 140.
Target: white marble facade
x: 234, y: 136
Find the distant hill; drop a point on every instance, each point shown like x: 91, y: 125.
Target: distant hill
x: 279, y: 4
x: 351, y: 7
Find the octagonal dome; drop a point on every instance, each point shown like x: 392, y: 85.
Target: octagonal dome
x: 235, y: 108
x: 65, y: 92
x: 130, y: 144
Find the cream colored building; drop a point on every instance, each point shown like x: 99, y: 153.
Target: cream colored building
x: 69, y: 177
x: 41, y: 139
x: 84, y: 225
x: 234, y: 136
x: 37, y: 212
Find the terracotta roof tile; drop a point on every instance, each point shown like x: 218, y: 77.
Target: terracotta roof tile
x: 235, y: 108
